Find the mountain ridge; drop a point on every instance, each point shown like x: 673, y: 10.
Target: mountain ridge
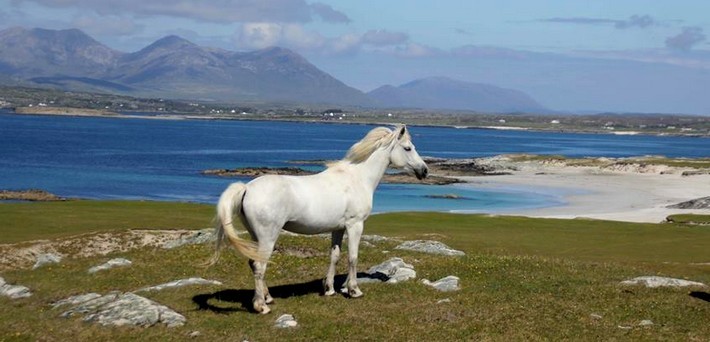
x: 174, y: 67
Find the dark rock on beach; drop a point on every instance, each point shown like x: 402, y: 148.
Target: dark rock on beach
x: 698, y: 203
x: 29, y: 195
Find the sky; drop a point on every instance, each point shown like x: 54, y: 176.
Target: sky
x: 571, y: 55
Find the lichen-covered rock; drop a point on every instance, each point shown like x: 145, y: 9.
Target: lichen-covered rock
x: 285, y: 321
x: 429, y: 246
x: 45, y: 259
x: 180, y: 283
x: 13, y: 291
x: 118, y: 309
x: 391, y: 271
x: 654, y: 281
x: 117, y: 262
x: 449, y: 283
x: 76, y: 300
x: 198, y: 237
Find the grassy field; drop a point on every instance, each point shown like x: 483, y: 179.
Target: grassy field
x: 522, y: 279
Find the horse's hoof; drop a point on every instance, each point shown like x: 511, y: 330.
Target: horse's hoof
x: 329, y: 292
x: 269, y: 299
x: 355, y: 293
x: 263, y: 309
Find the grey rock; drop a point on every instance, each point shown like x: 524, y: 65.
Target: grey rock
x: 391, y: 271
x: 117, y: 262
x: 429, y: 246
x: 596, y: 316
x: 445, y: 300
x: 45, y: 259
x: 180, y: 283
x: 698, y: 203
x: 195, y: 334
x: 285, y: 321
x: 76, y: 300
x: 198, y: 237
x: 118, y: 309
x: 654, y: 281
x: 13, y: 291
x: 449, y: 283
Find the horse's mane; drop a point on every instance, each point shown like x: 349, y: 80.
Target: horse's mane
x: 376, y: 138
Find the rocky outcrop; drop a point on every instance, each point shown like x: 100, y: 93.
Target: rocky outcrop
x: 13, y: 291
x: 429, y: 246
x: 29, y: 195
x: 113, y: 263
x: 180, y: 283
x: 446, y: 284
x: 698, y: 203
x: 654, y: 281
x: 199, y: 237
x: 119, y: 309
x: 397, y: 178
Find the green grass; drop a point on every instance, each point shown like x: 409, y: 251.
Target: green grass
x: 690, y: 219
x: 522, y: 279
x: 22, y: 221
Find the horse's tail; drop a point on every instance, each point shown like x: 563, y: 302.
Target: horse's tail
x: 230, y: 203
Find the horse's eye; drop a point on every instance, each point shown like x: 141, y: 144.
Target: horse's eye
x: 407, y: 148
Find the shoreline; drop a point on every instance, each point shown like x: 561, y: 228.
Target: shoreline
x: 604, y: 195
x: 78, y: 112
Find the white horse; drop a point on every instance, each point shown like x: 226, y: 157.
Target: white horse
x: 337, y: 200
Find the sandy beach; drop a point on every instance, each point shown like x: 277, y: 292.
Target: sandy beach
x: 592, y: 192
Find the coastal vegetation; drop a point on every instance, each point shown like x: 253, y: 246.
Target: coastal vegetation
x: 618, y: 123
x: 521, y: 279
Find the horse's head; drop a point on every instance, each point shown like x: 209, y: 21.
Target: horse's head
x: 404, y: 155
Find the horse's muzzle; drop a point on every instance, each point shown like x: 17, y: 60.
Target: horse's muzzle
x: 421, y: 173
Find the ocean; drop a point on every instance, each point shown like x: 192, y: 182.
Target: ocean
x: 146, y: 159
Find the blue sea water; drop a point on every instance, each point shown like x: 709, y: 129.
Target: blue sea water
x: 104, y: 158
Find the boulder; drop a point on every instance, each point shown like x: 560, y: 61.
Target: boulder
x: 119, y: 309
x: 449, y: 283
x: 117, y: 262
x: 285, y: 321
x: 45, y: 259
x: 13, y: 291
x: 654, y: 281
x: 429, y: 246
x: 391, y: 271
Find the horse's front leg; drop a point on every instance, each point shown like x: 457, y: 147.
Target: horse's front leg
x: 354, y: 234
x: 336, y: 243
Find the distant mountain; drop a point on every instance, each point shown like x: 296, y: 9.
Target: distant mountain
x: 446, y: 93
x: 170, y: 67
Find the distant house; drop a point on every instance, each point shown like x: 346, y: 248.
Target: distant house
x: 555, y: 122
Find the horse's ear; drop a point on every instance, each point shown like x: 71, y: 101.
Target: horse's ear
x: 402, y: 131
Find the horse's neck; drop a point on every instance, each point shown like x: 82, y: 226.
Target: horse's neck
x: 374, y: 167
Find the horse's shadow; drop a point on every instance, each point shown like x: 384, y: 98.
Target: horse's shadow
x: 243, y: 297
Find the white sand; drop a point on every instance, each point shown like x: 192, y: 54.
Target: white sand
x: 608, y: 195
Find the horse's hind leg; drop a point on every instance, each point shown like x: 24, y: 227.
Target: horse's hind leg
x: 261, y: 292
x: 336, y: 242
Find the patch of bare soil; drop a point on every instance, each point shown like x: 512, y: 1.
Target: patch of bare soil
x: 24, y: 254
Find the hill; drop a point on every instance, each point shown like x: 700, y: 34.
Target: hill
x: 446, y: 93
